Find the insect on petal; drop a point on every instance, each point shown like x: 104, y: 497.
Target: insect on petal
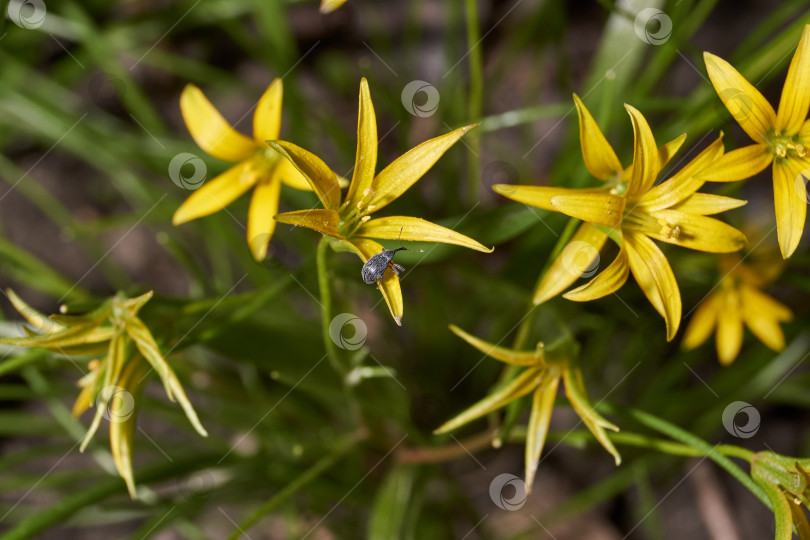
x: 389, y: 284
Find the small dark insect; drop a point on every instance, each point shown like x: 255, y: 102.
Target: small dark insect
x: 375, y: 267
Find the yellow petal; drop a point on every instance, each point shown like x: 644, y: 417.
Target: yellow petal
x: 586, y: 242
x: 267, y: 116
x: 514, y: 389
x: 645, y: 156
x: 218, y: 193
x: 599, y: 208
x: 260, y: 225
x: 123, y: 409
x: 706, y: 204
x: 389, y: 284
x: 289, y: 175
x: 537, y: 430
x: 365, y: 162
x: 600, y: 159
x: 509, y: 356
x: 400, y: 175
x: 115, y: 355
x: 790, y: 200
x: 729, y: 327
x: 328, y: 6
x: 539, y: 196
x: 318, y: 219
x: 696, y: 232
x: 38, y: 320
x: 655, y: 277
x: 85, y: 398
x: 668, y: 151
x: 760, y: 303
x: 738, y: 164
x: 685, y: 182
x: 210, y: 131
x: 413, y: 229
x: 607, y: 282
x: 795, y: 100
x: 322, y: 179
x: 578, y: 397
x: 702, y: 323
x: 745, y: 103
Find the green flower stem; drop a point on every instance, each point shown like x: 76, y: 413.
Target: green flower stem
x: 326, y: 310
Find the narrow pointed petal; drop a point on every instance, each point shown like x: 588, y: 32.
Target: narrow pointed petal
x: 758, y: 302
x: 317, y: 219
x: 291, y: 176
x: 322, y: 179
x: 599, y: 156
x: 599, y: 208
x: 365, y: 162
x: 596, y: 423
x: 413, y: 229
x: 655, y: 277
x: 260, y: 225
x: 739, y: 164
x: 790, y: 200
x: 795, y: 100
x: 389, y: 285
x: 267, y: 116
x: 509, y: 356
x: 729, y: 327
x: 645, y: 156
x: 400, y: 175
x: 706, y: 204
x: 696, y: 232
x: 328, y: 6
x: 84, y: 401
x: 210, y: 130
x: 762, y: 314
x: 115, y: 355
x: 610, y: 280
x: 745, y: 103
x: 668, y: 150
x: 702, y: 323
x: 587, y: 242
x: 539, y: 196
x: 537, y: 430
x: 685, y: 182
x: 38, y: 320
x: 514, y: 389
x: 216, y: 194
x: 124, y: 414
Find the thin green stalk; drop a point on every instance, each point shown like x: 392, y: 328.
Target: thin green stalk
x: 290, y: 489
x: 475, y: 104
x: 326, y: 310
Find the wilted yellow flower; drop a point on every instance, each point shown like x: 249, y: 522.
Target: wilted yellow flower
x: 350, y: 222
x: 633, y: 211
x: 114, y: 382
x: 541, y: 378
x: 257, y: 165
x: 786, y: 482
x: 737, y: 301
x: 781, y: 138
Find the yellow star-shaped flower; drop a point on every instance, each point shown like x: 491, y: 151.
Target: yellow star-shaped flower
x: 630, y: 209
x: 257, y: 165
x: 736, y: 302
x: 781, y: 138
x: 350, y: 221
